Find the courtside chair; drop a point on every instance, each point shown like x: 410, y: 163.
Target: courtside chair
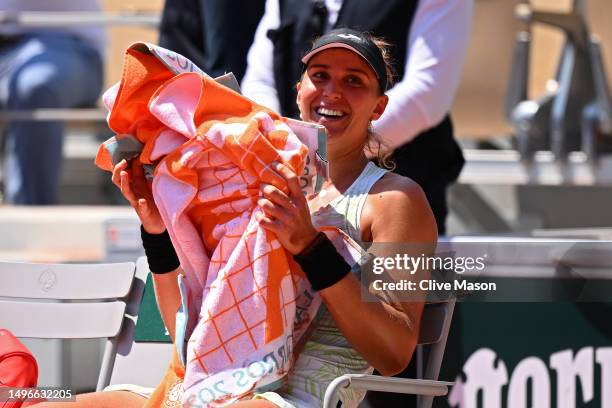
x: 435, y: 325
x: 142, y: 361
x: 69, y: 301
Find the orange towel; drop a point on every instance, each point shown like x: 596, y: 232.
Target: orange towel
x: 248, y: 304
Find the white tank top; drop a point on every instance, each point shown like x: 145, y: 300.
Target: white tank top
x: 344, y: 212
x: 327, y: 354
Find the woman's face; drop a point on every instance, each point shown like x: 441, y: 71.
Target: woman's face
x: 339, y: 90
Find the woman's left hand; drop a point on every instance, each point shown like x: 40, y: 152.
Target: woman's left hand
x: 287, y: 216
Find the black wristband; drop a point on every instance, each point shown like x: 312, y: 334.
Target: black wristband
x: 161, y: 255
x: 322, y: 263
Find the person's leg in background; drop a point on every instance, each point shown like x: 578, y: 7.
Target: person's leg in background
x: 52, y: 71
x: 434, y: 161
x: 226, y: 48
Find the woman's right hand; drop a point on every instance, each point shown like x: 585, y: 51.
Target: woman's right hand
x: 136, y: 189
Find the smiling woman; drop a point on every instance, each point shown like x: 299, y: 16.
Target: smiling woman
x: 342, y: 88
x: 363, y: 71
x: 341, y: 92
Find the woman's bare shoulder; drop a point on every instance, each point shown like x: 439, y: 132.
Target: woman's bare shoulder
x: 397, y: 205
x: 392, y: 187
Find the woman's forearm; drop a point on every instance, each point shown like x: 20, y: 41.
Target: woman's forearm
x: 168, y: 298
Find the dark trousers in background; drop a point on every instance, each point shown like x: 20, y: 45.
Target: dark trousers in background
x: 214, y: 34
x: 433, y: 160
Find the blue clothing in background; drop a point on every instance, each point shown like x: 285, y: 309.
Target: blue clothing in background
x: 51, y: 70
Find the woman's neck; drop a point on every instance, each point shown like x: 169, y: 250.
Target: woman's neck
x: 345, y: 167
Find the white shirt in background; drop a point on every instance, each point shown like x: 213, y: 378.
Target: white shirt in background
x: 437, y: 46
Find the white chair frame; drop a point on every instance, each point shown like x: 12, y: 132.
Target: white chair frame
x: 435, y: 325
x: 69, y: 301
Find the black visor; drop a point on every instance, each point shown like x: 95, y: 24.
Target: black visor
x: 357, y: 42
